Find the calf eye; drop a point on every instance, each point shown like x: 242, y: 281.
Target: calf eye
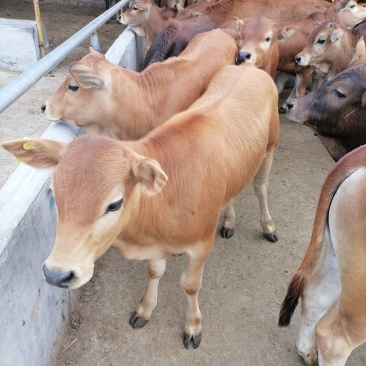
x: 73, y: 87
x: 338, y: 94
x: 268, y: 39
x: 114, y: 206
x: 135, y: 7
x: 352, y: 6
x: 320, y: 41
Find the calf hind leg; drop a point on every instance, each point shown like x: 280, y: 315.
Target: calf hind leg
x: 322, y: 291
x: 148, y: 302
x: 260, y: 183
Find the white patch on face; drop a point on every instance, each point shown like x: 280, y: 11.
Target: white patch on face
x: 305, y: 59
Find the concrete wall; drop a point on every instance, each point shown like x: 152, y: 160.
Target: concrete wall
x: 19, y: 44
x: 33, y: 314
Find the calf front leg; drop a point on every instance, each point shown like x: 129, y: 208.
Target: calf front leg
x: 260, y: 184
x: 228, y: 226
x: 191, y: 281
x: 148, y: 302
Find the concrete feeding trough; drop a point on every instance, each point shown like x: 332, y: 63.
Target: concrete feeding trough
x: 19, y: 44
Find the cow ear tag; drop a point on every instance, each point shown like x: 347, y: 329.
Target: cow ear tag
x: 28, y: 145
x: 17, y: 160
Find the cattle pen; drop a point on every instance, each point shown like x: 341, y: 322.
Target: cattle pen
x: 36, y: 319
x: 245, y: 278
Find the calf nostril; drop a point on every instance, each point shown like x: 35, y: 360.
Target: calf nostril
x: 297, y: 59
x: 248, y: 56
x: 43, y: 108
x: 59, y: 279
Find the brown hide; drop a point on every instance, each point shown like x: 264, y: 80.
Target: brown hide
x: 281, y: 9
x: 336, y: 111
x: 126, y: 104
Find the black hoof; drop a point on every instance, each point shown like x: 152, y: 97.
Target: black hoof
x: 195, y: 340
x: 273, y: 237
x: 136, y: 322
x: 226, y: 233
x: 282, y: 110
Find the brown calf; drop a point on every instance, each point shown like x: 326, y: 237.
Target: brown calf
x: 146, y: 19
x: 295, y: 35
x: 330, y: 49
x: 104, y: 98
x: 223, y: 11
x: 163, y: 194
x: 341, y: 275
x: 257, y: 41
x: 336, y: 112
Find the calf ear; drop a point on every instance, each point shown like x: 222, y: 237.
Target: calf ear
x: 359, y: 54
x: 86, y: 77
x: 238, y: 23
x: 149, y: 174
x: 340, y: 5
x: 38, y: 153
x: 336, y: 35
x: 286, y: 32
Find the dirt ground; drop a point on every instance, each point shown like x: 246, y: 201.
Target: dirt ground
x: 245, y: 278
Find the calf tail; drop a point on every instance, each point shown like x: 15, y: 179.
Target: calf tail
x: 341, y: 171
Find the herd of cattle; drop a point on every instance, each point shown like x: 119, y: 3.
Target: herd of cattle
x: 185, y: 135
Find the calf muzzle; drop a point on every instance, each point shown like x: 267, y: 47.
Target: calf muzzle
x: 58, y: 279
x: 242, y: 56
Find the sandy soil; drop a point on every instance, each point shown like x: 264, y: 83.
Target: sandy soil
x: 245, y: 278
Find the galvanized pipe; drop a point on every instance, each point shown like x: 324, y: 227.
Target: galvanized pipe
x: 15, y: 88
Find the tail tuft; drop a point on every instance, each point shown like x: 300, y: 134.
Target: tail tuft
x: 291, y: 300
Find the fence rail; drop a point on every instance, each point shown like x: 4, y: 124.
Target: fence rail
x: 14, y: 89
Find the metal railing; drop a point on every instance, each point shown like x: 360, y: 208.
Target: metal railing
x: 15, y: 88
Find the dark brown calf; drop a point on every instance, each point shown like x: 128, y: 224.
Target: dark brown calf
x: 336, y: 111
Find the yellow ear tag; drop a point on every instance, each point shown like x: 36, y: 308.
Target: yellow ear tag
x: 28, y: 145
x: 17, y: 161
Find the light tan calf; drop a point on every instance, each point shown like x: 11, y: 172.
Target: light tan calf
x: 330, y: 49
x: 147, y: 19
x: 104, y: 98
x: 295, y: 35
x: 163, y: 194
x: 341, y: 275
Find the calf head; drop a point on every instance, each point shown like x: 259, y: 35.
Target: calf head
x: 257, y: 40
x: 336, y: 111
x: 323, y: 46
x: 85, y: 97
x: 139, y: 14
x: 346, y: 13
x: 97, y: 184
